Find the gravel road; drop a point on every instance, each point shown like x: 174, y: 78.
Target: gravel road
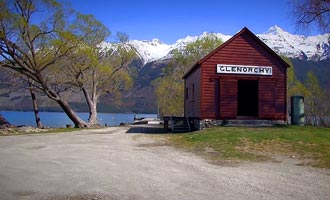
x: 116, y: 165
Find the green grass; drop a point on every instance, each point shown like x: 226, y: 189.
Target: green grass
x: 254, y: 144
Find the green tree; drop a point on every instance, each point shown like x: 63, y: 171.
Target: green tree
x: 169, y: 96
x: 294, y: 86
x: 317, y: 102
x: 96, y: 72
x: 35, y: 37
x: 317, y: 105
x: 170, y: 88
x: 16, y: 82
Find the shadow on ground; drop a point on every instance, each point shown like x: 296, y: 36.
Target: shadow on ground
x: 148, y: 129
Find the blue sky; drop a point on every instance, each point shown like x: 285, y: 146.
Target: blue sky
x: 170, y: 20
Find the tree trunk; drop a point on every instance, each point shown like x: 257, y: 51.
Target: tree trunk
x: 3, y: 122
x: 35, y: 107
x: 92, y: 105
x: 92, y: 120
x: 78, y: 123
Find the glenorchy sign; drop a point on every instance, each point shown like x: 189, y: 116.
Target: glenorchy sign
x: 244, y: 69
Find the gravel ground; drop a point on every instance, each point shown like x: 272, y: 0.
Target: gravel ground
x: 116, y: 164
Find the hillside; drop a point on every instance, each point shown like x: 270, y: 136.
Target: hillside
x: 306, y: 53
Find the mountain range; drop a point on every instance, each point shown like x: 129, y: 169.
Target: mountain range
x: 306, y: 53
x: 283, y: 43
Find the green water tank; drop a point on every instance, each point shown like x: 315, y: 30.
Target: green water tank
x: 297, y: 110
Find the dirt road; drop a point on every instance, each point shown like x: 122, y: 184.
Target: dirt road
x: 112, y: 164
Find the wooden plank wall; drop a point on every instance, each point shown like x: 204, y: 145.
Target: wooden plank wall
x: 193, y: 102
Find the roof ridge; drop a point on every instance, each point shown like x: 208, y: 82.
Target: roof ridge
x: 243, y: 30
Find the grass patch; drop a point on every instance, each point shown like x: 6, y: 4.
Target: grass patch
x: 63, y: 130
x: 255, y: 144
x: 28, y: 131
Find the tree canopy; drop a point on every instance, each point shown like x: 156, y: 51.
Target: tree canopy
x: 312, y: 12
x: 59, y: 50
x: 170, y: 88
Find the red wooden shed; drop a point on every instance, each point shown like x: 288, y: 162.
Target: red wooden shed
x: 241, y: 79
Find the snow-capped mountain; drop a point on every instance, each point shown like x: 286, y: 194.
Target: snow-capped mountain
x: 156, y: 50
x: 151, y: 50
x: 297, y: 46
x: 286, y: 44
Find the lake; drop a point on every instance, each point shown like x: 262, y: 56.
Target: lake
x: 59, y: 119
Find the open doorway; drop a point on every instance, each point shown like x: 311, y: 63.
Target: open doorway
x: 247, y: 98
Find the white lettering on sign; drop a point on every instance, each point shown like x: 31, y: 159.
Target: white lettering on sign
x: 244, y: 69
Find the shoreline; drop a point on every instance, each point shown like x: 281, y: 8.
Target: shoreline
x: 60, y: 119
x: 131, y: 128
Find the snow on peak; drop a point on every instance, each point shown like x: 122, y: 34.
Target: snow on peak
x: 151, y: 50
x: 156, y: 42
x: 184, y: 41
x: 275, y: 30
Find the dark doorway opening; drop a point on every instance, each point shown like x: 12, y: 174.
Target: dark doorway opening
x: 247, y: 98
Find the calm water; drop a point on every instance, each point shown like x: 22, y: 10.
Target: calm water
x: 59, y: 119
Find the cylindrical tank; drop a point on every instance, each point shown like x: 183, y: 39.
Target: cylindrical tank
x: 297, y: 110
